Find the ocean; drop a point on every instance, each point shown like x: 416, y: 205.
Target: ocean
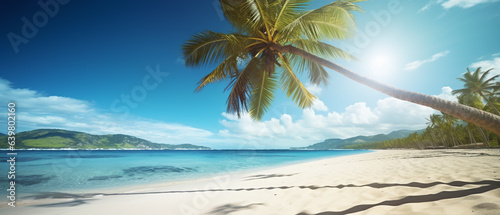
x: 79, y: 170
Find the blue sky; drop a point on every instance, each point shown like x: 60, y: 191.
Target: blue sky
x: 102, y: 67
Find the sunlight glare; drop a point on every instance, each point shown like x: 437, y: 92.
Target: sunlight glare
x: 380, y: 65
x: 381, y: 62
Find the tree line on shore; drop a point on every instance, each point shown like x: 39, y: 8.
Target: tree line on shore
x: 444, y: 131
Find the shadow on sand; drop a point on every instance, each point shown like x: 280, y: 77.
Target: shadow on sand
x: 257, y: 177
x: 487, y: 185
x: 230, y: 208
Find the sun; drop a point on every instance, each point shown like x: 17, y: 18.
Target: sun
x: 380, y: 64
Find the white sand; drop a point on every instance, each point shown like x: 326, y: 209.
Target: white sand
x: 382, y: 182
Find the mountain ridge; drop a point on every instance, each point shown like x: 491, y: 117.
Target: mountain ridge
x: 59, y: 138
x: 337, y: 143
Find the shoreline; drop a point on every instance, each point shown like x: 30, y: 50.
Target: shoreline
x: 30, y: 198
x: 439, y: 181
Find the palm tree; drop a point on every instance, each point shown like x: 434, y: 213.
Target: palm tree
x: 494, y: 96
x: 496, y: 89
x: 473, y: 100
x: 477, y: 82
x: 281, y: 34
x: 437, y: 124
x: 451, y: 128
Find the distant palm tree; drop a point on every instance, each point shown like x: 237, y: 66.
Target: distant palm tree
x: 281, y: 33
x: 451, y: 128
x: 472, y: 100
x: 435, y: 125
x: 434, y: 120
x: 494, y: 97
x: 478, y: 83
x: 496, y: 89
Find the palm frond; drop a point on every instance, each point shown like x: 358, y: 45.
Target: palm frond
x: 461, y: 91
x: 255, y: 15
x: 332, y: 21
x: 317, y: 73
x: 210, y: 47
x: 262, y: 94
x: 322, y: 49
x: 225, y: 70
x: 232, y: 12
x: 240, y: 87
x: 288, y: 12
x: 489, y: 82
x: 242, y: 14
x: 293, y: 86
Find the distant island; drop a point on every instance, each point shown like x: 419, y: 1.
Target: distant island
x: 337, y: 143
x: 58, y: 139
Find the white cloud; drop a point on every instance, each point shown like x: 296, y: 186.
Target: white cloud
x: 447, y: 4
x: 311, y: 127
x: 35, y: 110
x: 314, y: 89
x: 319, y: 105
x: 464, y: 3
x: 426, y: 7
x: 180, y: 61
x: 446, y: 94
x: 359, y: 114
x: 394, y: 112
x: 489, y: 64
x: 418, y: 63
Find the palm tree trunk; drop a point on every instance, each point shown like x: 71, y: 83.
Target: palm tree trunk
x: 470, y: 135
x: 435, y: 143
x: 443, y: 139
x: 433, y: 140
x: 455, y: 136
x: 466, y: 113
x: 483, y: 135
x: 456, y: 140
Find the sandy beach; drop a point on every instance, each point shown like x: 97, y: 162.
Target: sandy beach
x: 381, y: 182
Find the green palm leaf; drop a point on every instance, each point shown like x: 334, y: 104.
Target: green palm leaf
x: 479, y: 83
x: 293, y: 87
x: 317, y: 73
x: 225, y: 70
x: 233, y: 13
x: 332, y: 21
x: 240, y: 87
x: 210, y: 47
x: 262, y: 95
x: 288, y: 12
x: 322, y: 49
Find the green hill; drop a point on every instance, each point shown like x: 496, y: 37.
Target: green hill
x: 337, y: 143
x: 2, y: 134
x: 56, y: 138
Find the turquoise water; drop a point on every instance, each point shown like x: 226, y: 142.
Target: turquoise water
x: 77, y: 170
